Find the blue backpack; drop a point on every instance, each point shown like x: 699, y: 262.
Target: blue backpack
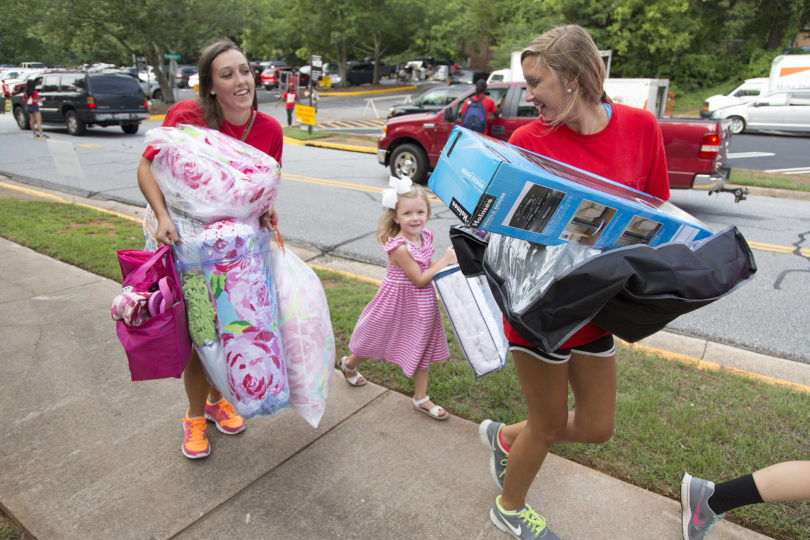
x: 475, y: 116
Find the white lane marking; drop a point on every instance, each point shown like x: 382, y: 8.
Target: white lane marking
x: 749, y: 154
x: 795, y: 170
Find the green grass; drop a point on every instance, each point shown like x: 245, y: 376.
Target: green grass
x: 303, y: 134
x: 670, y: 417
x: 748, y: 177
x: 8, y: 531
x: 688, y: 104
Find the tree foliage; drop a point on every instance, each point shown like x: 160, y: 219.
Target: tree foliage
x: 691, y: 42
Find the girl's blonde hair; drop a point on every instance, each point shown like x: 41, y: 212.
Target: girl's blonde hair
x: 571, y: 55
x: 387, y: 227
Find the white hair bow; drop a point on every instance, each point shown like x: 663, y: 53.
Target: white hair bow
x: 397, y: 186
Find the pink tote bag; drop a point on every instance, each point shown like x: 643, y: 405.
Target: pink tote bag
x: 161, y: 347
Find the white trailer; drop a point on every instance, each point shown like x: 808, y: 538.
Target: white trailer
x: 789, y: 72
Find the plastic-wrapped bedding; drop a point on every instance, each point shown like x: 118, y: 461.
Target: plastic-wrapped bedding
x: 475, y: 318
x: 634, y: 291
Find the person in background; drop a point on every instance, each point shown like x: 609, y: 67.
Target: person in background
x: 290, y: 98
x: 32, y: 102
x: 227, y: 103
x: 565, y: 78
x: 402, y: 324
x: 476, y: 110
x: 704, y: 504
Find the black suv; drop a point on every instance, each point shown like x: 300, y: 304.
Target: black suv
x: 83, y: 99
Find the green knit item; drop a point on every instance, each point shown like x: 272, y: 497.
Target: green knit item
x: 200, y: 311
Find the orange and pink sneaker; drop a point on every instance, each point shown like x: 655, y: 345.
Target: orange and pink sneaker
x: 195, y: 439
x: 222, y: 414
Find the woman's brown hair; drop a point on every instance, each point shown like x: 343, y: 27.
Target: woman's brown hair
x: 212, y: 112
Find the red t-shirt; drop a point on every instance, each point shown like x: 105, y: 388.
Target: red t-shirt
x: 289, y: 99
x: 265, y: 135
x: 629, y: 150
x: 487, y: 102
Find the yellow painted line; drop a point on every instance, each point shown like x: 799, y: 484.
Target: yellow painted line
x: 56, y: 198
x: 369, y: 92
x: 157, y: 117
x: 343, y: 185
x: 775, y: 248
x: 89, y: 145
x: 349, y: 275
x: 705, y: 365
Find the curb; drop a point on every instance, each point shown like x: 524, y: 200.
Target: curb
x: 334, y: 146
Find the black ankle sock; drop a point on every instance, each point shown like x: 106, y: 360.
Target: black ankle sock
x: 733, y: 494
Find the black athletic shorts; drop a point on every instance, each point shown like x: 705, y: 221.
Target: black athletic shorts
x: 602, y: 346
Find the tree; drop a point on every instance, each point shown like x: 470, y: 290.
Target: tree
x: 150, y: 28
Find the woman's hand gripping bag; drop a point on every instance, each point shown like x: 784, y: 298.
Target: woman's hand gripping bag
x: 158, y: 346
x: 233, y: 319
x: 306, y: 334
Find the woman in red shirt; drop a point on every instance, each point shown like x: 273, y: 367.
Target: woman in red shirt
x: 32, y: 102
x: 565, y: 77
x: 227, y: 103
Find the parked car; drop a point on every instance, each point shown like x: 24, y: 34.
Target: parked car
x: 276, y: 76
x: 749, y: 90
x: 33, y: 65
x: 182, y: 75
x: 779, y: 111
x: 360, y: 73
x: 149, y: 87
x: 16, y: 85
x: 433, y: 100
x: 467, y: 76
x: 80, y: 100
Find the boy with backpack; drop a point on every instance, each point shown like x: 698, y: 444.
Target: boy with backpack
x: 476, y: 109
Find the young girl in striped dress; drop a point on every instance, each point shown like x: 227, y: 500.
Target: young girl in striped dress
x: 402, y: 323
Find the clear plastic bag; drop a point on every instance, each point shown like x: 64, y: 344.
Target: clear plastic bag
x: 210, y: 176
x: 528, y: 268
x: 306, y: 334
x: 226, y: 268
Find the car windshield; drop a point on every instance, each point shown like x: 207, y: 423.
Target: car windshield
x: 113, y: 84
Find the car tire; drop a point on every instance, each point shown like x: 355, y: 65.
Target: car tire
x: 21, y: 117
x: 157, y: 95
x: 737, y: 124
x: 130, y: 129
x: 409, y: 160
x: 75, y: 125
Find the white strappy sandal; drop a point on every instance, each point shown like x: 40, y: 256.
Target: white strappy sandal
x: 433, y: 412
x: 355, y: 380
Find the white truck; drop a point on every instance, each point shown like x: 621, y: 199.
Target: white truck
x: 749, y: 90
x: 789, y: 72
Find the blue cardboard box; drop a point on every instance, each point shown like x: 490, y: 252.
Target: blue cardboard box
x: 498, y: 187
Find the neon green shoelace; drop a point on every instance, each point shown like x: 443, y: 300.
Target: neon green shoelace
x: 535, y: 521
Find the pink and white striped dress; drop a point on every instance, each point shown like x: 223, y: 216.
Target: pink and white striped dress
x: 402, y: 323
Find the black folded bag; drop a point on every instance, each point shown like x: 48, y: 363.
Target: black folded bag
x: 632, y: 291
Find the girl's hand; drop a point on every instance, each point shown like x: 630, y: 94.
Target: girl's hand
x: 269, y: 220
x: 449, y: 257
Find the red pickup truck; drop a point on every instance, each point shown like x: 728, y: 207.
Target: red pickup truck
x: 411, y: 144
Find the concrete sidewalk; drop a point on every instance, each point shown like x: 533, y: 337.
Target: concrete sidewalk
x: 89, y: 454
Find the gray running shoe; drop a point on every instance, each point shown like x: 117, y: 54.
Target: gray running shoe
x: 488, y: 431
x: 697, y: 519
x: 524, y: 523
